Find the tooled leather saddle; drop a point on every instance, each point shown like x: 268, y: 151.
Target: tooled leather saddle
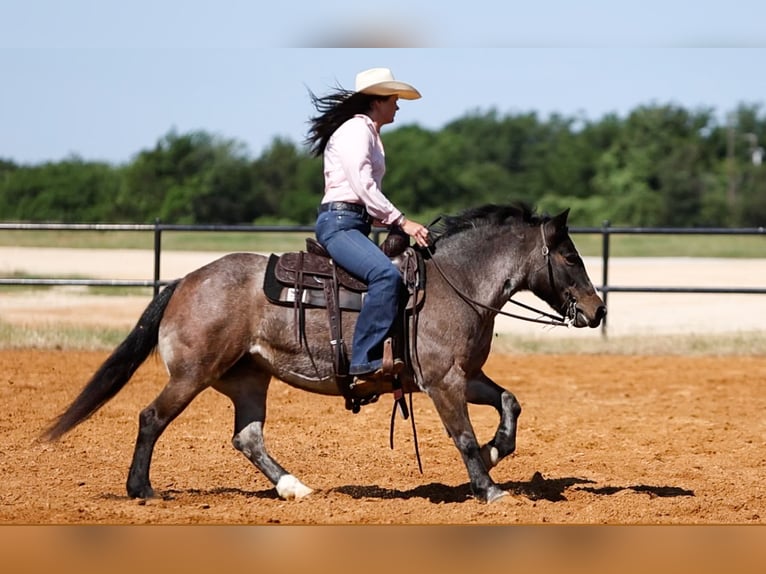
x: 311, y: 279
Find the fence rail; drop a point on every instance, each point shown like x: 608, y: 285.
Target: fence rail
x: 606, y: 232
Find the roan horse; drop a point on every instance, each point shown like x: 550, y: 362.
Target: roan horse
x: 216, y: 328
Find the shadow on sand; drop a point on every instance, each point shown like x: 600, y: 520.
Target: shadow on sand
x: 537, y: 488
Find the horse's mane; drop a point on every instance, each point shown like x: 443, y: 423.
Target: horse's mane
x: 485, y: 215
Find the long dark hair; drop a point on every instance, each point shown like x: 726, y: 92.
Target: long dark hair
x: 334, y: 109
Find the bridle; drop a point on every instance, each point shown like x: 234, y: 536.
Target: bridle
x: 554, y: 320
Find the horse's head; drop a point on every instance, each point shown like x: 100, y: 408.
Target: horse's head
x: 561, y: 279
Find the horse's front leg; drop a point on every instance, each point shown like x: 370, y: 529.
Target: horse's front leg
x: 482, y: 390
x: 449, y: 398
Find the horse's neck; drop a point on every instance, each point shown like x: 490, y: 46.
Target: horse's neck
x: 487, y: 267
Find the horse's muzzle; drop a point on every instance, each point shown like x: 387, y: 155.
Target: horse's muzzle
x: 592, y: 320
x: 587, y: 313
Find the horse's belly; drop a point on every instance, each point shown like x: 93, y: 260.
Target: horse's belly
x: 318, y: 386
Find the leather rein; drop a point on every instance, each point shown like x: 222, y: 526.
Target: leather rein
x: 553, y: 320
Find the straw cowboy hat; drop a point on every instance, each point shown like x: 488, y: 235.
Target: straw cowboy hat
x: 381, y: 82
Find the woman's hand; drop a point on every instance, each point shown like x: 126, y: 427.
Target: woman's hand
x: 415, y: 230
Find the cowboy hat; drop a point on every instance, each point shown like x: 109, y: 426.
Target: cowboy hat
x: 380, y: 82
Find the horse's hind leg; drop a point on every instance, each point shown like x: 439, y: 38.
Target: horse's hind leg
x: 152, y: 421
x: 248, y: 390
x: 449, y: 398
x: 483, y: 391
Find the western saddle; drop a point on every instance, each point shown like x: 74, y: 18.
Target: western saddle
x: 311, y: 279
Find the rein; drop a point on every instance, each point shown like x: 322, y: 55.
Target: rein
x: 554, y: 320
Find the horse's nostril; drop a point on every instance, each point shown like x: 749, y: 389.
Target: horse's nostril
x: 599, y: 316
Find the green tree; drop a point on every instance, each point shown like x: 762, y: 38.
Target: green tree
x: 67, y: 191
x: 652, y: 173
x: 420, y: 169
x: 662, y: 165
x: 286, y: 183
x: 188, y: 178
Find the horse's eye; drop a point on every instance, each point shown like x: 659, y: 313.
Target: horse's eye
x: 572, y: 258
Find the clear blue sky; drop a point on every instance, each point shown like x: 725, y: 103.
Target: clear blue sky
x: 104, y: 80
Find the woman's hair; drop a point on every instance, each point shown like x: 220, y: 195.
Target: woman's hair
x: 334, y: 109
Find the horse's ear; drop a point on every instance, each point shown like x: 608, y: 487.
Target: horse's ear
x: 557, y: 228
x: 560, y: 220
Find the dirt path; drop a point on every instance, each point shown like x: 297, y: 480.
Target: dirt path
x: 615, y: 440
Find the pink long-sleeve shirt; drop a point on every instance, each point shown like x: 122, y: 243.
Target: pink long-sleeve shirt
x: 354, y: 165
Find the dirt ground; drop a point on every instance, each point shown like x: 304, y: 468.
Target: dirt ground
x: 602, y: 440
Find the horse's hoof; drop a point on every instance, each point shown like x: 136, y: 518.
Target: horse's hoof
x: 290, y: 487
x: 143, y: 493
x: 494, y: 494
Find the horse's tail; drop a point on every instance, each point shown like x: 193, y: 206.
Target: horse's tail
x: 117, y: 370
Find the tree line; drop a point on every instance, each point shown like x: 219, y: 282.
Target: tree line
x: 660, y: 166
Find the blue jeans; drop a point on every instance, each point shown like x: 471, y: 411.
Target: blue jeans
x: 345, y: 235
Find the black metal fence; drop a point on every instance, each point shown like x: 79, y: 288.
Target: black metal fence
x: 158, y: 228
x: 606, y: 231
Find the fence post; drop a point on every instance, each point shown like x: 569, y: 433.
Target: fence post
x: 157, y: 249
x: 604, y: 269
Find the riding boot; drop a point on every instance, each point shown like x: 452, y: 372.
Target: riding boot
x: 377, y: 382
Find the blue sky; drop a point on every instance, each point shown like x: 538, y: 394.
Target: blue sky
x: 104, y: 80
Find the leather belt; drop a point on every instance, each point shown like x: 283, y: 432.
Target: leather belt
x: 344, y: 206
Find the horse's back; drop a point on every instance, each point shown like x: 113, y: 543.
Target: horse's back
x: 234, y: 263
